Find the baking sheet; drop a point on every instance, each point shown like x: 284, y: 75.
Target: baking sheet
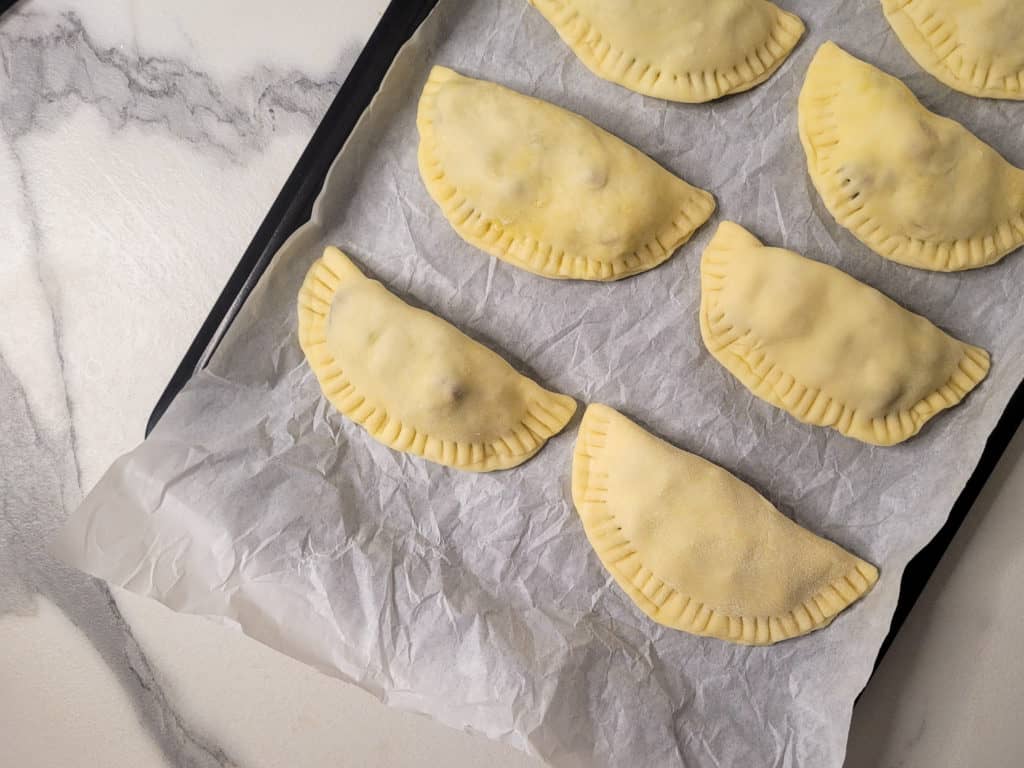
x: 476, y: 598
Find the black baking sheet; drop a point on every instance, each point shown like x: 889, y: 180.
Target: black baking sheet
x: 293, y: 207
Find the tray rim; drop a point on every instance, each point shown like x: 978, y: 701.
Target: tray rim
x: 294, y: 206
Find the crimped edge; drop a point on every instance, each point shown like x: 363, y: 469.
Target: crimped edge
x: 771, y: 383
x: 665, y: 604
x: 819, y: 135
x: 543, y: 419
x: 633, y: 72
x: 933, y: 43
x: 536, y: 256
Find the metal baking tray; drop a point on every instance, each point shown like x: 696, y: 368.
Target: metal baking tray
x: 293, y: 207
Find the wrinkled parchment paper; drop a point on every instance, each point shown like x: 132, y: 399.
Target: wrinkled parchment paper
x: 476, y: 598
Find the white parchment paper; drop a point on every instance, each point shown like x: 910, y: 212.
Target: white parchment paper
x: 476, y: 598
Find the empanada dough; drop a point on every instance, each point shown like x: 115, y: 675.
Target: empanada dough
x: 974, y: 46
x: 415, y: 382
x: 914, y: 187
x: 681, y: 50
x: 698, y: 549
x: 825, y: 347
x: 544, y: 189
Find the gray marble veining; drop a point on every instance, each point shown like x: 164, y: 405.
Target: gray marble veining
x: 38, y: 479
x: 51, y: 65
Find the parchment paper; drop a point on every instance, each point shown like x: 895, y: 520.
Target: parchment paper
x: 476, y: 598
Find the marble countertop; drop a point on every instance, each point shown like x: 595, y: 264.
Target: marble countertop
x: 140, y: 146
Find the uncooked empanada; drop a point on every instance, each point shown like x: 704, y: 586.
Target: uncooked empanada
x: 825, y: 347
x: 698, y: 549
x: 974, y: 46
x: 415, y: 382
x: 544, y: 189
x: 682, y: 50
x: 915, y: 187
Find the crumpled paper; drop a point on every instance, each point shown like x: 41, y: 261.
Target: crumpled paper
x: 476, y: 598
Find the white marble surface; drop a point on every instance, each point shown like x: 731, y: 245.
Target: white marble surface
x: 140, y: 145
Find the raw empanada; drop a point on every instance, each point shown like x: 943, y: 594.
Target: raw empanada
x: 544, y: 189
x: 915, y: 187
x: 974, y: 46
x: 682, y: 50
x: 415, y: 382
x: 698, y: 549
x: 825, y: 347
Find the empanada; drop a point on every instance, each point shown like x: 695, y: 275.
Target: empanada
x: 415, y: 382
x: 698, y: 549
x: 825, y: 347
x: 914, y: 187
x: 974, y: 46
x: 544, y: 189
x: 681, y: 50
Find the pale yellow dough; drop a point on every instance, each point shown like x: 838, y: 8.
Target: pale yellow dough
x: 414, y: 381
x: 698, y: 549
x: 974, y: 46
x: 915, y: 187
x: 681, y: 50
x: 825, y: 347
x: 544, y: 189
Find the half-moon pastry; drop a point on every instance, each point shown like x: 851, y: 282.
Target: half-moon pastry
x: 696, y: 548
x: 681, y: 50
x: 824, y: 346
x: 415, y: 382
x: 914, y: 187
x: 974, y: 46
x: 544, y: 189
